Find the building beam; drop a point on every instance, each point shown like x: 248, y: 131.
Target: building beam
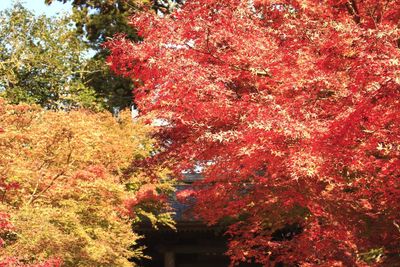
x: 169, y: 259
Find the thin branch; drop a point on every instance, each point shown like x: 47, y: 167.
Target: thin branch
x: 207, y: 39
x: 351, y: 6
x: 35, y: 196
x: 397, y: 225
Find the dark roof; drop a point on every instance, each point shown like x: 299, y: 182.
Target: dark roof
x: 192, y: 177
x: 182, y: 210
x: 183, y: 217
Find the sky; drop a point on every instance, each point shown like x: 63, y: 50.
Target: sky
x: 39, y: 7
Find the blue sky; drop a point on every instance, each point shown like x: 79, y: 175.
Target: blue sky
x: 39, y: 7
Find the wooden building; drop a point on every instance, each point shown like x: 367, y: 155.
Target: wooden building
x: 193, y: 244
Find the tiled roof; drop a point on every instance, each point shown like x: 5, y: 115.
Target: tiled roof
x: 182, y: 210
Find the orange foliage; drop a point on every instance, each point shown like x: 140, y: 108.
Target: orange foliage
x: 62, y: 187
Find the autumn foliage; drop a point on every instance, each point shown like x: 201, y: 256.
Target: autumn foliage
x: 291, y: 108
x: 64, y: 198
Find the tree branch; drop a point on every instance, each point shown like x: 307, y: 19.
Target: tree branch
x: 351, y: 6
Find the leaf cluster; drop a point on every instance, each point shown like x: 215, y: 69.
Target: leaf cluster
x: 43, y: 61
x: 63, y: 193
x: 291, y: 110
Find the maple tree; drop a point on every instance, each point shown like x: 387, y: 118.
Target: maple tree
x: 64, y: 197
x: 291, y: 109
